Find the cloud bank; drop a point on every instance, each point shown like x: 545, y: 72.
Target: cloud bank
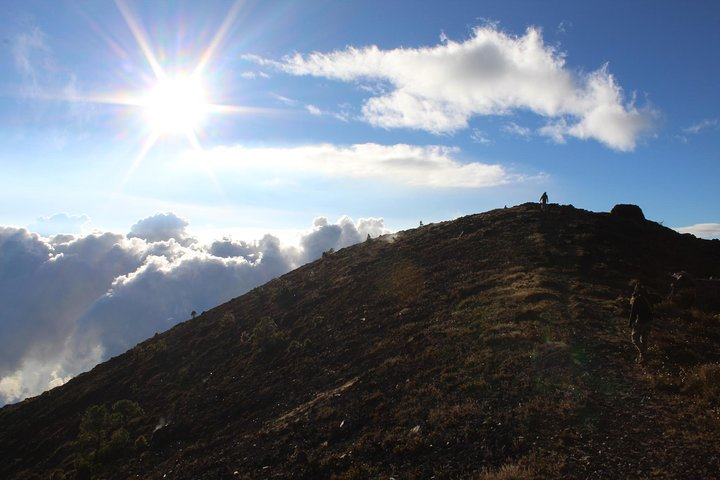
x: 68, y: 302
x: 439, y: 89
x: 702, y: 230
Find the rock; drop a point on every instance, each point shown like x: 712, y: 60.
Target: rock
x: 629, y: 211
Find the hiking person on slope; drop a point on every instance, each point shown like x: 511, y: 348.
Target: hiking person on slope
x: 640, y: 320
x: 543, y: 200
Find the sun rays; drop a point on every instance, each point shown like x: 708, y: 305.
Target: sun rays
x: 172, y: 102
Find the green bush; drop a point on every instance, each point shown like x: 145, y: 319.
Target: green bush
x: 126, y: 410
x: 117, y: 443
x: 267, y: 337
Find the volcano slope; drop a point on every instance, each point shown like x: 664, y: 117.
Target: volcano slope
x: 494, y: 346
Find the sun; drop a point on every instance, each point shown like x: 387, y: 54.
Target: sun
x: 175, y: 105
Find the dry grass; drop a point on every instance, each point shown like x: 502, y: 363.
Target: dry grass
x: 704, y: 381
x: 509, y: 471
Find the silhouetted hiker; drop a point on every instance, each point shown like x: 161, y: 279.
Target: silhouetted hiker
x: 543, y: 200
x: 640, y: 320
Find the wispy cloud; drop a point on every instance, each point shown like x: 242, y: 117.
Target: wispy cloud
x: 702, y: 230
x: 251, y: 75
x: 478, y: 136
x: 515, y: 129
x: 41, y: 77
x: 700, y: 126
x: 563, y: 27
x: 285, y: 100
x: 33, y: 59
x: 438, y: 89
x: 400, y: 164
x: 343, y: 115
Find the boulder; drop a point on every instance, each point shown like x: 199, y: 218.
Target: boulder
x: 629, y: 211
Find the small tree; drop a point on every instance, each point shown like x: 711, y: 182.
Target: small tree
x: 103, y: 433
x: 93, y: 428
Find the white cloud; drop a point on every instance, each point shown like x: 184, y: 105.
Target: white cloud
x: 45, y: 285
x: 11, y: 388
x: 342, y: 234
x: 421, y: 166
x: 556, y: 130
x: 313, y: 110
x: 68, y: 302
x: 702, y: 230
x: 161, y: 227
x: 438, y: 89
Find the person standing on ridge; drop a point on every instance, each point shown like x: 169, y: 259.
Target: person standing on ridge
x: 543, y: 200
x: 640, y: 320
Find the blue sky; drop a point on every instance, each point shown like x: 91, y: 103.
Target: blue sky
x: 190, y: 151
x: 65, y: 151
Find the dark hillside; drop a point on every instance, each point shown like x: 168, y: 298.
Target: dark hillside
x: 494, y: 346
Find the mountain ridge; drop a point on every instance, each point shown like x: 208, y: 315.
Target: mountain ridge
x: 493, y: 344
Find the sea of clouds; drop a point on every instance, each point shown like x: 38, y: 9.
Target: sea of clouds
x: 68, y: 302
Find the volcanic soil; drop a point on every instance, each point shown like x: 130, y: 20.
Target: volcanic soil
x: 494, y: 346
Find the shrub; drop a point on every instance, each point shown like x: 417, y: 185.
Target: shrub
x: 127, y: 410
x: 117, y: 443
x: 183, y: 374
x: 227, y: 319
x: 282, y: 293
x: 141, y: 443
x: 294, y: 346
x: 267, y: 337
x: 92, y: 427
